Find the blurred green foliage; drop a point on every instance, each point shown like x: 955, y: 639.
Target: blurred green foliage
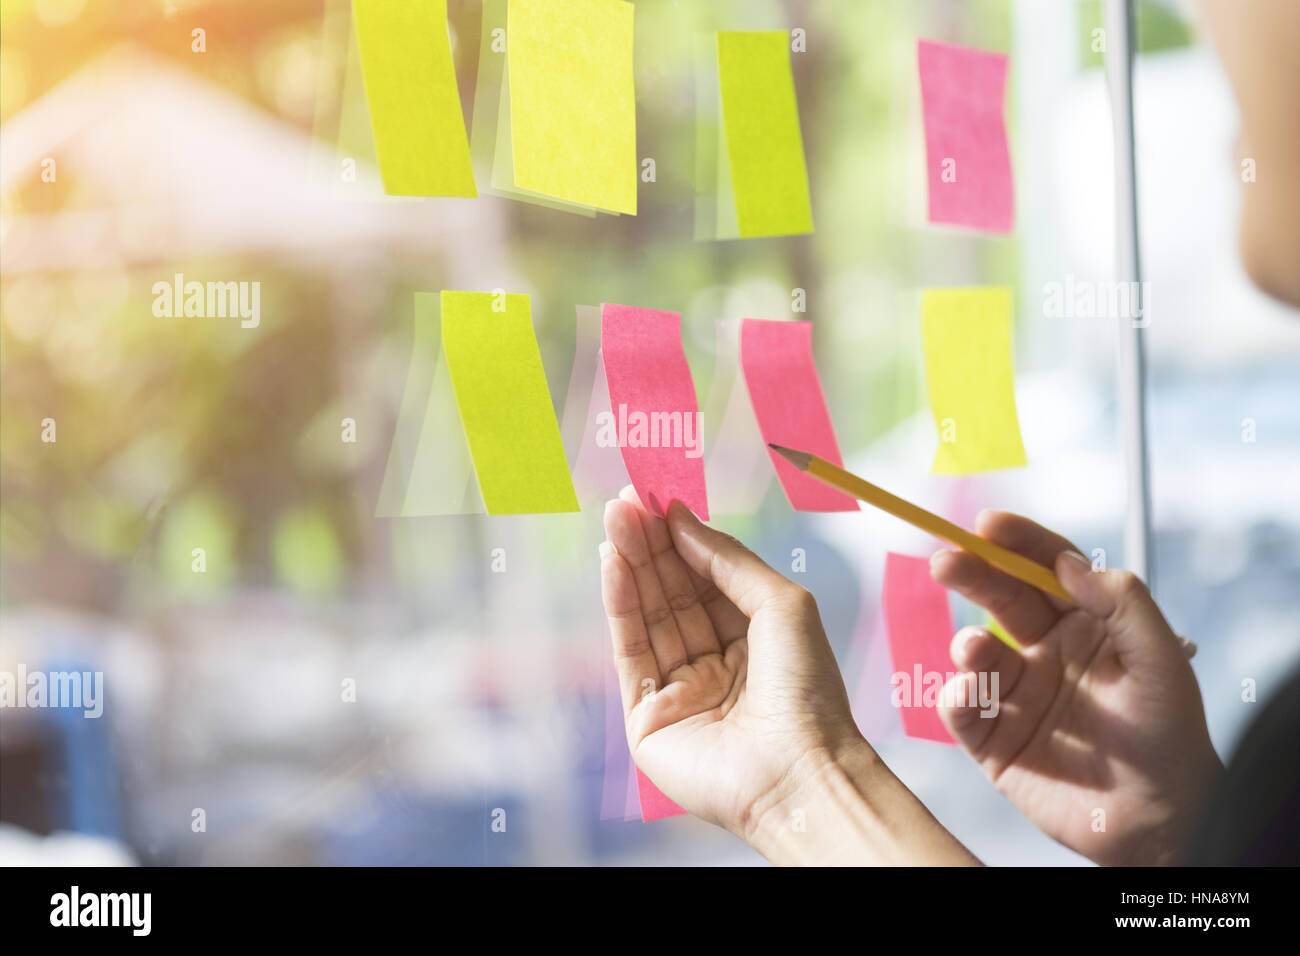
x: 1159, y: 27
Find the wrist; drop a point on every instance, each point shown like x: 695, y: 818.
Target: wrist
x: 1183, y: 815
x: 840, y: 805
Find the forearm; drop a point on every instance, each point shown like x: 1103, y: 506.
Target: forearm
x: 844, y: 807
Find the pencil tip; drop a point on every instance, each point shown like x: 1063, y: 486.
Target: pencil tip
x: 800, y: 459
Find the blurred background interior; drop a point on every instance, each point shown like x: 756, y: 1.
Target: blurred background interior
x: 475, y: 690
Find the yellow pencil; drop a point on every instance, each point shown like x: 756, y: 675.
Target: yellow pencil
x: 1016, y: 565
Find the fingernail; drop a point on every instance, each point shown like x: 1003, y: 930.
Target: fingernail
x: 677, y: 508
x: 967, y: 636
x: 1077, y: 558
x: 606, y: 548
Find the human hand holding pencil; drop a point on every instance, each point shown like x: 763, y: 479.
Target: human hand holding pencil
x: 1100, y: 738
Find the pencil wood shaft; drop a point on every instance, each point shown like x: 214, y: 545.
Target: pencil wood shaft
x: 1016, y: 565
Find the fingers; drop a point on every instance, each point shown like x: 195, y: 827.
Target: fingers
x: 633, y: 658
x: 1100, y: 593
x: 967, y: 708
x: 738, y: 573
x: 623, y: 530
x: 1022, y: 536
x: 729, y: 624
x: 1120, y: 597
x: 1023, y: 610
x: 693, y: 621
x: 979, y: 649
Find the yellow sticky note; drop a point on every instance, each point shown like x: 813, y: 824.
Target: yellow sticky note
x: 572, y: 101
x: 414, y: 104
x: 760, y: 122
x: 505, y: 405
x: 966, y: 336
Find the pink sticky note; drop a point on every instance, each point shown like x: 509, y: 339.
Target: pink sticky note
x: 966, y: 153
x: 654, y: 805
x: 791, y: 410
x: 655, y: 418
x: 919, y: 623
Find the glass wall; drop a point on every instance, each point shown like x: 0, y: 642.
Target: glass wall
x: 291, y: 679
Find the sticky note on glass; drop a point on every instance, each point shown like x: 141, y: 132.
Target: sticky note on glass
x: 787, y: 397
x: 489, y: 140
x: 572, y: 102
x: 966, y: 337
x: 736, y: 469
x: 411, y: 91
x: 967, y: 159
x: 505, y: 405
x: 655, y: 418
x: 654, y: 805
x: 919, y: 623
x: 762, y: 148
x: 429, y: 471
x: 598, y: 471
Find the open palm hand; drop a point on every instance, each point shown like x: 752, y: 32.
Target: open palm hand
x: 727, y: 679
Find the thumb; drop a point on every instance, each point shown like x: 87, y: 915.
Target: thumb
x: 741, y: 575
x: 1119, y: 597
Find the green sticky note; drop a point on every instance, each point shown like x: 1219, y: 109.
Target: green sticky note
x: 414, y: 103
x: 760, y: 126
x: 966, y: 337
x: 505, y: 405
x: 573, y: 101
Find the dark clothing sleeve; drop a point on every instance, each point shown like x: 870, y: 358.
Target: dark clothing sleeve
x: 1253, y: 816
